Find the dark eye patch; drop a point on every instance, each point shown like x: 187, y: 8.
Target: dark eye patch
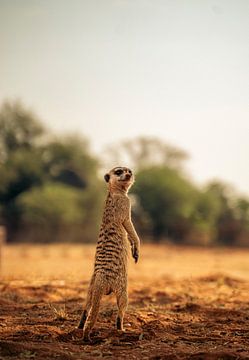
x: 118, y: 172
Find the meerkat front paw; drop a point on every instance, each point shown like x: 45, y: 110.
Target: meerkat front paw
x: 135, y: 254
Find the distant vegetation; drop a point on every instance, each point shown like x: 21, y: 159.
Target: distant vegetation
x: 51, y: 189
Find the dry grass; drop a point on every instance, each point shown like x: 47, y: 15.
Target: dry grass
x: 59, y: 313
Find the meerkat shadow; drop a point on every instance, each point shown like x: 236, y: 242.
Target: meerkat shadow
x: 102, y: 336
x: 120, y: 336
x: 75, y: 336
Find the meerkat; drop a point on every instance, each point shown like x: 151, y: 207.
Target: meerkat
x: 117, y: 234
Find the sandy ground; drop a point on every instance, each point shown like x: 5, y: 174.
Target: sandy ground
x: 184, y: 303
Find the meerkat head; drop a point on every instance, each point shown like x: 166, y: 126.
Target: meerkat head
x: 119, y: 178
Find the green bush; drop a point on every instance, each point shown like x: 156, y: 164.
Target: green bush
x: 53, y: 203
x: 51, y: 213
x: 168, y: 199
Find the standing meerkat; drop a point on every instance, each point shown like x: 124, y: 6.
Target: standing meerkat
x: 110, y: 267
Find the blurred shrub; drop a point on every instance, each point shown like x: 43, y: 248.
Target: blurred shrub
x: 54, y: 212
x: 232, y: 218
x: 48, y: 210
x: 52, y: 203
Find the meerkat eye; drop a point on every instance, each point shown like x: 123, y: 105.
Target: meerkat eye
x: 118, y: 172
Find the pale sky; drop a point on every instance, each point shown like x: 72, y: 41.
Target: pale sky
x: 115, y: 69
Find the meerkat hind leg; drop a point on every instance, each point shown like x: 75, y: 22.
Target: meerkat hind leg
x: 82, y: 320
x: 122, y: 302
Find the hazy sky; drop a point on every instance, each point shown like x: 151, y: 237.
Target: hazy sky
x: 114, y: 69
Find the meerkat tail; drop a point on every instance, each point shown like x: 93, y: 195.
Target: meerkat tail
x: 97, y: 292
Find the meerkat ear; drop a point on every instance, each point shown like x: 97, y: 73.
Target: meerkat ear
x: 107, y: 177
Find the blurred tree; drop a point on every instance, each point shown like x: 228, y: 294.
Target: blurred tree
x: 19, y: 129
x: 143, y: 152
x: 20, y: 158
x: 30, y: 161
x: 242, y: 215
x: 21, y: 170
x: 168, y: 199
x: 68, y: 160
x: 227, y: 226
x: 242, y: 211
x: 203, y: 219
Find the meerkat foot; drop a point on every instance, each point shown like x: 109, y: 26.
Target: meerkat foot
x: 119, y: 324
x: 82, y: 320
x: 86, y: 336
